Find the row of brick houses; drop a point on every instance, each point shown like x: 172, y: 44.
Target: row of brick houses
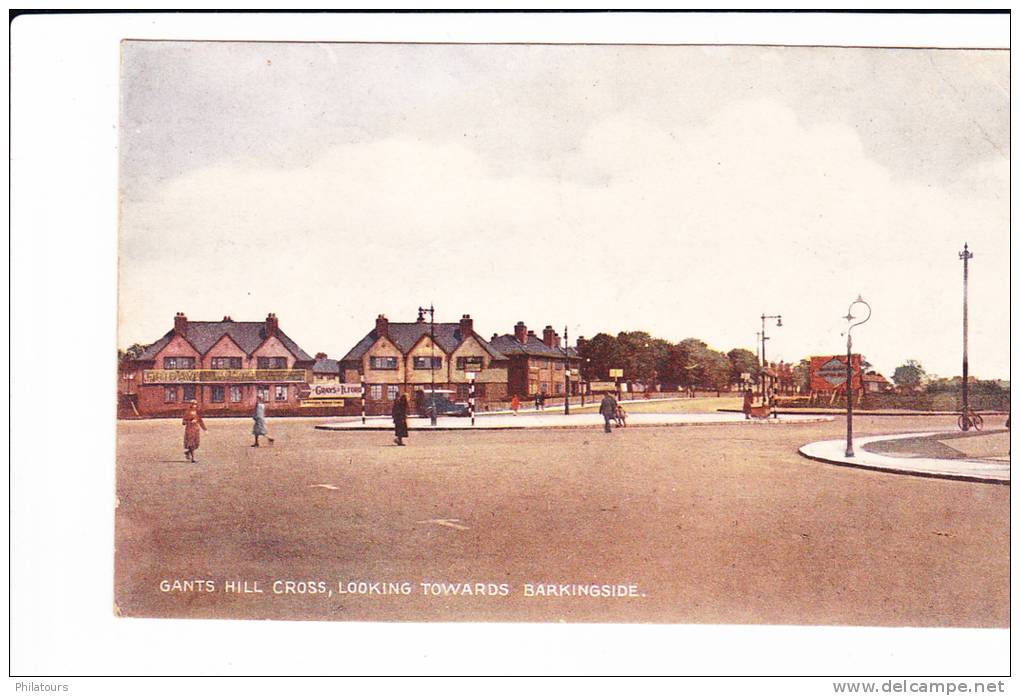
x: 223, y: 365
x: 227, y: 365
x: 398, y: 357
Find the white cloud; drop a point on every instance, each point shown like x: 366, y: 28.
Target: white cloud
x: 675, y: 228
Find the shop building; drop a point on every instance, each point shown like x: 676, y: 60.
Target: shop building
x: 409, y: 357
x: 223, y: 365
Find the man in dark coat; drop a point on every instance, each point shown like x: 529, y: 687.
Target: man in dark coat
x: 608, y: 410
x: 400, y: 419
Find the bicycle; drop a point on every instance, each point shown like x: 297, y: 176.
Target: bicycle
x: 970, y: 419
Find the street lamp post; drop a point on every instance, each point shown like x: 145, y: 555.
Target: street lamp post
x: 585, y: 378
x: 849, y: 372
x: 433, y: 418
x: 965, y: 256
x: 566, y: 372
x: 764, y: 364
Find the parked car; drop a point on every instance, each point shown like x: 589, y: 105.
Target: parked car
x: 443, y: 405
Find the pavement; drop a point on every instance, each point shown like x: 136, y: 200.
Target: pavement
x: 500, y: 421
x: 982, y: 457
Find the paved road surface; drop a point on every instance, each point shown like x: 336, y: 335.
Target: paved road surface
x: 721, y: 524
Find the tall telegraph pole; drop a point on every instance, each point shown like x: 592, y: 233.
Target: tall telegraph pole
x: 965, y: 256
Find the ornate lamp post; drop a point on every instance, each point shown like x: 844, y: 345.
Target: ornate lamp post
x: 433, y: 417
x: 965, y: 256
x: 849, y: 372
x: 764, y: 364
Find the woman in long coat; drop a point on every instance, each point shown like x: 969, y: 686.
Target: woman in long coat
x: 260, y: 423
x: 400, y: 419
x: 193, y: 426
x: 748, y: 402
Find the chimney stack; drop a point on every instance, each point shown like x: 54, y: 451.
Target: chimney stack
x: 321, y: 356
x: 272, y: 324
x: 382, y: 325
x: 549, y: 336
x: 467, y: 326
x: 227, y: 318
x: 180, y: 324
x: 521, y: 332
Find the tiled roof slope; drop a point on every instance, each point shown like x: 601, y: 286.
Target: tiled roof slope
x: 405, y: 335
x: 509, y: 345
x: 203, y: 335
x: 326, y: 366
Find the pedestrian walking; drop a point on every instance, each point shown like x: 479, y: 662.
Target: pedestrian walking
x: 515, y: 404
x: 538, y: 401
x: 608, y: 410
x: 193, y: 427
x: 260, y: 423
x: 748, y: 402
x: 399, y: 413
x: 541, y: 400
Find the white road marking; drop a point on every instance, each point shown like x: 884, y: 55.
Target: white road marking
x: 452, y: 523
x: 324, y: 485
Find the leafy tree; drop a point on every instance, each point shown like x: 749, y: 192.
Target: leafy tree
x: 910, y: 374
x: 802, y: 375
x: 684, y: 363
x: 131, y: 353
x: 600, y: 354
x: 716, y: 370
x: 741, y: 361
x: 642, y: 356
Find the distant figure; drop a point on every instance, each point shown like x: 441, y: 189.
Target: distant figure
x: 541, y: 400
x: 608, y: 410
x: 620, y: 416
x: 260, y: 423
x: 193, y: 425
x: 515, y: 404
x: 690, y: 392
x: 400, y: 407
x: 748, y: 402
x: 538, y: 401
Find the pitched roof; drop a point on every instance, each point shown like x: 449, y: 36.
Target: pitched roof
x: 203, y: 335
x: 405, y: 335
x: 509, y: 345
x: 326, y: 366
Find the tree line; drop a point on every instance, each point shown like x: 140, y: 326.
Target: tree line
x: 649, y: 360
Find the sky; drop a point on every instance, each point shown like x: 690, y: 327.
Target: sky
x: 680, y: 190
